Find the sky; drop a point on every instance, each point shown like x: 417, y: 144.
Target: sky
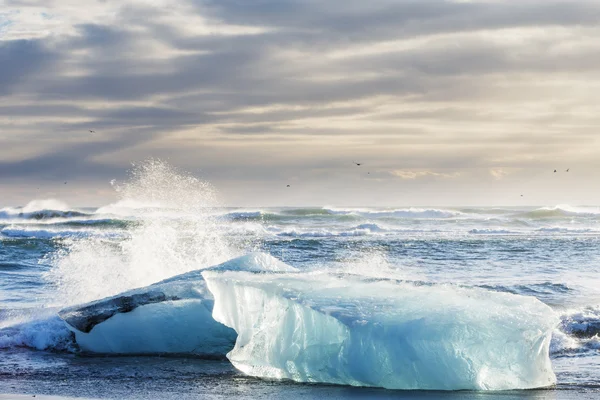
x: 442, y: 102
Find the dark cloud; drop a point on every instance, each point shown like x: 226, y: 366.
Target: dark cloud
x: 19, y: 60
x: 378, y: 20
x: 75, y: 160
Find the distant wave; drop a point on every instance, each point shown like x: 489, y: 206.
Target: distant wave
x: 322, y: 233
x: 561, y: 211
x: 306, y: 212
x: 274, y: 215
x: 359, y: 230
x: 41, y: 209
x: 55, y: 233
x: 566, y: 230
x: 14, y: 213
x: 496, y: 211
x: 397, y: 213
x: 244, y: 215
x: 487, y: 231
x: 370, y: 227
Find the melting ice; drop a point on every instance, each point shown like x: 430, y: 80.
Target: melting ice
x: 170, y: 317
x: 332, y: 328
x: 363, y: 332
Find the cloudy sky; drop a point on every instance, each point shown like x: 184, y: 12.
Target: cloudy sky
x: 443, y: 102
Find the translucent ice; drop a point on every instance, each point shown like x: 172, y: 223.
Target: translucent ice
x: 172, y: 316
x: 346, y: 329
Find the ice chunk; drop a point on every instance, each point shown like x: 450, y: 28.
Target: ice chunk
x: 171, y: 316
x: 350, y: 330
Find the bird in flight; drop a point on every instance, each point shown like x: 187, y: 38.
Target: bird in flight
x: 288, y: 186
x: 91, y: 131
x: 567, y: 169
x: 65, y: 182
x: 359, y: 164
x: 554, y: 170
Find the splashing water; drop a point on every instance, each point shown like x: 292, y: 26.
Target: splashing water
x: 173, y: 229
x: 374, y: 263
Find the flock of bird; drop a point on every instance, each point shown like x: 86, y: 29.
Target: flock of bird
x: 359, y: 164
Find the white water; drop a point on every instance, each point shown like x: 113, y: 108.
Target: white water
x: 175, y: 232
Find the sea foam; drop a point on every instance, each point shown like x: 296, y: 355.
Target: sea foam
x: 175, y: 231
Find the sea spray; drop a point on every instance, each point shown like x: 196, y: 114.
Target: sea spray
x: 174, y: 230
x: 372, y: 263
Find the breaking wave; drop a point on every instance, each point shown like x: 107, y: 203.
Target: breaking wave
x: 561, y: 211
x: 405, y: 213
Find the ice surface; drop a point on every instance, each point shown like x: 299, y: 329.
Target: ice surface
x: 346, y: 329
x: 171, y: 316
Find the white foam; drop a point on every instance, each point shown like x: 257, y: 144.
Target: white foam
x: 557, y: 229
x: 13, y: 231
x: 370, y: 264
x: 411, y: 212
x: 582, y: 322
x: 489, y: 231
x: 175, y: 232
x: 42, y: 333
x: 567, y: 210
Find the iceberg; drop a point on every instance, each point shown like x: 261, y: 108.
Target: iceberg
x: 173, y: 316
x: 352, y: 330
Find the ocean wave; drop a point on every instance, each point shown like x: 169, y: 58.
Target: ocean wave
x: 14, y: 232
x: 584, y: 323
x: 335, y: 214
x: 322, y: 233
x: 566, y: 230
x: 272, y: 215
x: 579, y: 332
x: 16, y: 213
x: 359, y: 230
x: 561, y: 211
x: 540, y: 290
x: 370, y: 227
x: 48, y: 334
x: 488, y: 231
x: 307, y: 212
x: 245, y: 215
x: 404, y: 213
x: 41, y: 209
x: 487, y: 211
x: 12, y: 266
x: 72, y: 222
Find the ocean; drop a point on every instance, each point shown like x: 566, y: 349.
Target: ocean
x: 54, y: 255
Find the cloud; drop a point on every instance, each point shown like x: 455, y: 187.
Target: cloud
x: 19, y: 60
x: 413, y: 87
x: 498, y: 173
x: 411, y: 175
